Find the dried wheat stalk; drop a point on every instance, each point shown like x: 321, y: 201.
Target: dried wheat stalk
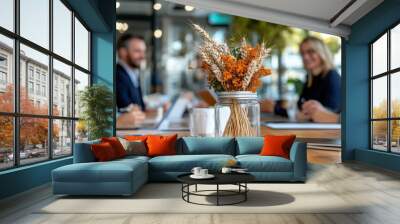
x: 222, y: 48
x: 254, y: 66
x: 238, y: 123
x: 242, y: 49
x: 215, y: 55
x: 207, y: 58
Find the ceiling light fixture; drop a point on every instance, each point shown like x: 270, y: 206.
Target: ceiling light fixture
x: 157, y: 33
x: 121, y: 27
x: 157, y: 6
x: 189, y: 8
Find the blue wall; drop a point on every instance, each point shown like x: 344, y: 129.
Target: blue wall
x: 380, y: 159
x: 355, y: 115
x: 100, y: 17
x: 103, y: 52
x: 24, y: 178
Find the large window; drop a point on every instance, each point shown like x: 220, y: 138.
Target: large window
x: 44, y: 64
x: 385, y: 92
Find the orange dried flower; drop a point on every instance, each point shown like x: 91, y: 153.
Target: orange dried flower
x: 263, y: 71
x: 241, y: 67
x: 237, y: 82
x: 235, y: 69
x: 226, y: 75
x: 252, y: 52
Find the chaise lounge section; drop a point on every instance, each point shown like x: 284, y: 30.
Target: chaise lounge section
x: 88, y: 177
x: 125, y: 176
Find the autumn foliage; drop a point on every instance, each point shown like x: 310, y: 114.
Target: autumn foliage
x: 33, y: 131
x: 379, y: 128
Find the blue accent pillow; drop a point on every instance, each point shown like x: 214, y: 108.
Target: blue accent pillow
x: 249, y: 145
x: 207, y: 145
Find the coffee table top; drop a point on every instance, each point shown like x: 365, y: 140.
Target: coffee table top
x: 220, y: 178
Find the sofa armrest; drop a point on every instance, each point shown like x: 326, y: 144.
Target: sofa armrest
x: 83, y: 152
x: 298, y: 155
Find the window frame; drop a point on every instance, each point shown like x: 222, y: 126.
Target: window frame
x: 388, y: 74
x: 16, y: 115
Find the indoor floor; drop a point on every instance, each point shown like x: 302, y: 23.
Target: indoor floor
x: 379, y: 190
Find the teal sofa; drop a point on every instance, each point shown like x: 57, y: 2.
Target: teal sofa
x: 125, y: 176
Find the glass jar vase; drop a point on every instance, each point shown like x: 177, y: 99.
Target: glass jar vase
x: 237, y: 113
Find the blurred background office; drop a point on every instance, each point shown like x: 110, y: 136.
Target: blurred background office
x: 171, y: 59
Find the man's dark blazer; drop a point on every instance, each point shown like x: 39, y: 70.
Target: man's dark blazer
x: 127, y: 93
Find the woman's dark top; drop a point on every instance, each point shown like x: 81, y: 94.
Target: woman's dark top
x: 325, y: 89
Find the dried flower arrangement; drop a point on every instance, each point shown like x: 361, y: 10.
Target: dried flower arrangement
x: 236, y: 69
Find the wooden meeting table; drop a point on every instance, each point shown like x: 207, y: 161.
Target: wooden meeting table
x: 328, y: 134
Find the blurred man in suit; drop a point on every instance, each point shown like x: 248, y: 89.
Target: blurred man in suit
x: 131, y: 51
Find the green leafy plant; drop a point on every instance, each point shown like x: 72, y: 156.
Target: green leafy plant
x: 96, y: 102
x: 298, y: 85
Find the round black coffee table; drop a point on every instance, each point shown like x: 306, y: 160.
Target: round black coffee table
x: 238, y: 179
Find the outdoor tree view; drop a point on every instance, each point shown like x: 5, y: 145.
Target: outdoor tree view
x: 44, y: 131
x: 385, y: 124
x: 34, y: 131
x: 380, y: 128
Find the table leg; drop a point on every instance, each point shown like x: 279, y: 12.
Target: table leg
x: 217, y: 194
x: 245, y: 193
x: 195, y: 188
x: 188, y: 190
x: 182, y: 188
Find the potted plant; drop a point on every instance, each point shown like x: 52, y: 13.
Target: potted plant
x: 234, y: 73
x: 96, y: 103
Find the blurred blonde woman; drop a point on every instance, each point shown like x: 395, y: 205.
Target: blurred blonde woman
x: 320, y: 98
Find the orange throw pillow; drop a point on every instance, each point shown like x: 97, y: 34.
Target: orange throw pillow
x: 161, y: 145
x: 103, y: 152
x: 142, y: 138
x: 116, y: 145
x: 277, y: 145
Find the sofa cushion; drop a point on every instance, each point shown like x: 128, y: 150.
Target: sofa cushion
x: 112, y: 171
x: 207, y: 145
x: 133, y: 158
x: 83, y: 152
x: 103, y: 152
x: 257, y: 163
x: 185, y: 163
x: 136, y: 148
x: 249, y: 145
x: 116, y: 145
x: 142, y: 138
x: 161, y: 145
x: 277, y: 145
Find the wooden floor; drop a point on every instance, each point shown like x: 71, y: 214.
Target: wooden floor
x: 378, y: 189
x: 316, y: 156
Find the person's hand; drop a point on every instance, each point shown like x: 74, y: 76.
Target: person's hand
x: 300, y: 116
x: 318, y: 113
x: 133, y: 118
x: 137, y: 116
x: 267, y: 106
